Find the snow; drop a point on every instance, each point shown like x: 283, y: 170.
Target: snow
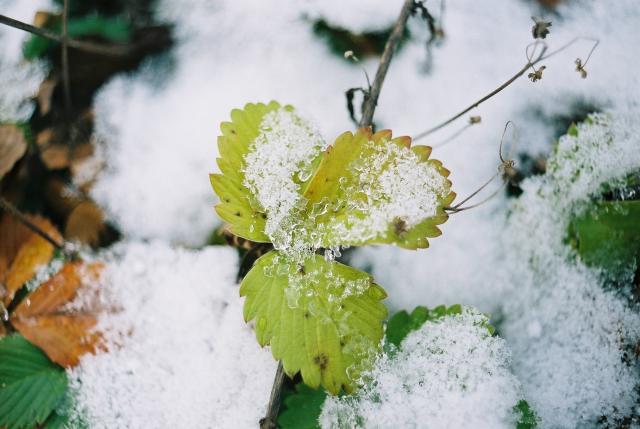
x: 20, y: 78
x: 180, y: 354
x: 567, y: 334
x: 449, y: 373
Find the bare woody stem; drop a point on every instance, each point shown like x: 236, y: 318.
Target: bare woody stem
x: 530, y: 63
x: 65, y: 58
x: 12, y: 210
x: 392, y: 43
x: 94, y: 48
x: 480, y: 101
x: 270, y: 420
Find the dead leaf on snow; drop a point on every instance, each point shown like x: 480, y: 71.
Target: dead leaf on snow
x: 22, y: 252
x: 52, y: 318
x: 85, y: 224
x: 12, y: 147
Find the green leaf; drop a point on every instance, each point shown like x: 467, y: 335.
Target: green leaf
x: 302, y: 408
x: 402, y: 323
x: 322, y: 319
x: 237, y: 205
x: 365, y: 189
x: 375, y: 189
x: 31, y: 386
x: 607, y: 235
x: 528, y: 418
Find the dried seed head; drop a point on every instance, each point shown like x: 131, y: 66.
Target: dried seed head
x: 536, y: 75
x: 540, y: 28
x: 580, y: 68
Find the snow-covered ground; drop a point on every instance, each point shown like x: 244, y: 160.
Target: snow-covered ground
x: 20, y: 78
x: 190, y: 361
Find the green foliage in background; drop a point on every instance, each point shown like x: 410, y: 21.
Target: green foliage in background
x: 110, y: 29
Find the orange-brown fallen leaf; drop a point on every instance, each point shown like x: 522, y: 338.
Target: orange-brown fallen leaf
x: 22, y: 251
x: 13, y: 145
x: 49, y: 319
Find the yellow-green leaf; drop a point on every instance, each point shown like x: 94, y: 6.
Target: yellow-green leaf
x: 376, y: 189
x: 322, y: 319
x: 237, y: 205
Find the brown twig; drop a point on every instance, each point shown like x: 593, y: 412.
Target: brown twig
x: 385, y: 61
x: 81, y: 45
x: 512, y: 79
x: 12, y: 210
x: 65, y: 58
x: 530, y: 63
x: 269, y: 421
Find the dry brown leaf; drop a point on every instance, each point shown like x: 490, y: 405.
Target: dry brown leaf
x: 46, y: 318
x: 31, y: 251
x: 45, y: 92
x: 12, y: 147
x: 85, y: 224
x: 12, y: 235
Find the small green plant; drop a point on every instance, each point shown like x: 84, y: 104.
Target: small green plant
x: 281, y: 184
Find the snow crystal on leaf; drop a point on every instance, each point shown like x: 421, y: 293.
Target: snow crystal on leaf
x: 450, y: 373
x: 280, y: 159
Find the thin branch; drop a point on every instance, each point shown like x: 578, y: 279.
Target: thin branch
x: 12, y: 210
x: 385, y: 61
x: 65, y: 58
x: 81, y: 45
x: 271, y: 418
x: 530, y: 63
x: 512, y: 79
x: 506, y: 164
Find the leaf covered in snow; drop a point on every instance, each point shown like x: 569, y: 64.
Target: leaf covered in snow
x: 401, y: 323
x: 321, y: 318
x: 281, y: 183
x: 376, y: 189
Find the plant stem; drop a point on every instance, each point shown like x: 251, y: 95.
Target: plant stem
x: 530, y: 63
x: 269, y: 421
x: 12, y: 210
x: 94, y: 48
x: 385, y: 61
x: 65, y: 59
x: 480, y: 101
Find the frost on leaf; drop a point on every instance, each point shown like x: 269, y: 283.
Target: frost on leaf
x: 266, y: 151
x: 281, y: 183
x: 375, y: 189
x: 451, y: 372
x: 321, y: 318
